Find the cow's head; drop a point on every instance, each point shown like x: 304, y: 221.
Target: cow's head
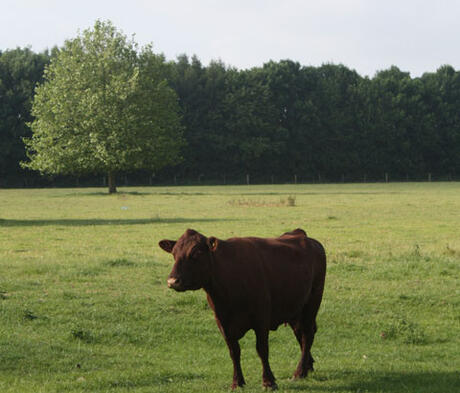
x: 192, y: 255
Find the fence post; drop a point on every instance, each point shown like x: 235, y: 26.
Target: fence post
x: 429, y: 176
x: 295, y: 179
x: 247, y: 179
x: 386, y: 177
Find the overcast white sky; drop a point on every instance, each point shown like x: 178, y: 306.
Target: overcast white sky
x: 365, y: 35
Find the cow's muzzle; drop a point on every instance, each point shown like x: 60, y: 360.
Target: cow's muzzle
x: 174, y: 283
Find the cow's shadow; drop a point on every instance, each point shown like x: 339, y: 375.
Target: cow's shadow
x: 116, y: 221
x: 391, y: 382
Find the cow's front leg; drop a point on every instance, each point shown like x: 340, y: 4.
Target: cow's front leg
x: 235, y: 352
x: 268, y: 379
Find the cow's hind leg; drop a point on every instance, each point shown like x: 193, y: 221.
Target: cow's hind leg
x: 301, y: 336
x: 304, y: 330
x: 268, y: 379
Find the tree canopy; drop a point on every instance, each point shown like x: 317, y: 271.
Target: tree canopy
x: 104, y: 107
x: 326, y: 123
x: 20, y: 70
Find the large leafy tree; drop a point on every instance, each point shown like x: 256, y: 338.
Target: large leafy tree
x: 105, y: 106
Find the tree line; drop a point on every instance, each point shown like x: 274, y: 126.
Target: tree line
x: 276, y: 123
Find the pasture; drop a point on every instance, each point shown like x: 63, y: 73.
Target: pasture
x: 84, y: 305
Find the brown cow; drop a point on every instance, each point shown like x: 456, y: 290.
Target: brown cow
x: 254, y: 283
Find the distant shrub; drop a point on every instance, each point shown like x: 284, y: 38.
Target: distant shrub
x: 290, y: 201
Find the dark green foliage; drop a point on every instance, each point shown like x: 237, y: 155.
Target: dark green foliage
x: 20, y: 71
x: 282, y: 122
x: 316, y: 123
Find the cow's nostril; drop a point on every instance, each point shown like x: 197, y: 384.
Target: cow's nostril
x: 171, y: 282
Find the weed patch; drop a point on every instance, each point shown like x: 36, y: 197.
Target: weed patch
x: 89, y: 272
x: 354, y: 254
x: 82, y: 335
x: 347, y: 267
x: 289, y: 201
x: 67, y: 295
x: 450, y: 251
x: 29, y: 315
x: 405, y: 331
x: 119, y: 262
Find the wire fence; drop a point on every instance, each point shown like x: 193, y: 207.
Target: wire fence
x: 144, y: 179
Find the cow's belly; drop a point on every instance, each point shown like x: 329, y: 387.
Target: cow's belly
x: 288, y: 298
x: 286, y: 315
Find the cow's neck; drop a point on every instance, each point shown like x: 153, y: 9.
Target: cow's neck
x: 216, y: 289
x: 218, y: 302
x: 225, y: 296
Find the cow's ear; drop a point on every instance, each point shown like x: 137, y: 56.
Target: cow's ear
x: 212, y: 243
x: 167, y: 245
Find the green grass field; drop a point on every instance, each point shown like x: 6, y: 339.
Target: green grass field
x: 84, y: 306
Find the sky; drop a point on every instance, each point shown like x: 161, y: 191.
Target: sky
x: 364, y: 35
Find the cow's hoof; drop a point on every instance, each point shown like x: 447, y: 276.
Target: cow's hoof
x: 272, y: 386
x: 299, y: 375
x: 236, y: 385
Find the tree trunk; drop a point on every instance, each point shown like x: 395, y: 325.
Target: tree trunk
x: 112, y: 185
